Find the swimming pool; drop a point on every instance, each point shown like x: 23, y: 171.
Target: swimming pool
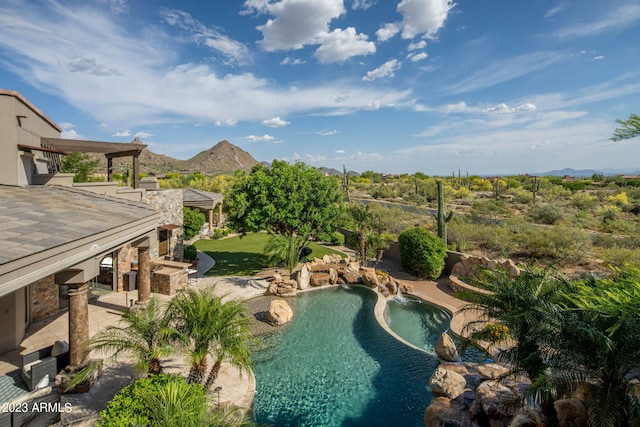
x: 334, y: 365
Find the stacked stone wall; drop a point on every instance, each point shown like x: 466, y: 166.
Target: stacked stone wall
x: 44, y: 298
x: 168, y: 203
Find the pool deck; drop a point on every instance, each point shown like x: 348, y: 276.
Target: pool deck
x: 238, y: 389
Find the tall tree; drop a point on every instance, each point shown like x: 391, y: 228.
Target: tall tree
x: 293, y: 201
x: 80, y: 164
x: 362, y: 217
x: 628, y: 129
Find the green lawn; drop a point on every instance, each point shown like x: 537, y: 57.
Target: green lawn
x: 244, y: 256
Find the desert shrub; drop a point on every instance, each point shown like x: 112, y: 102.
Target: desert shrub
x: 189, y: 252
x: 616, y: 256
x: 489, y: 209
x: 554, y: 192
x: 584, y: 201
x: 522, y: 196
x: 619, y: 199
x: 619, y: 226
x: 545, y: 214
x: 462, y: 193
x: 554, y: 243
x: 421, y: 253
x: 610, y: 213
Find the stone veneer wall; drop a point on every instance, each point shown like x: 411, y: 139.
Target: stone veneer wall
x: 126, y: 256
x: 44, y: 298
x: 168, y: 203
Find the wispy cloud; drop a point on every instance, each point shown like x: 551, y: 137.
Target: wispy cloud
x: 505, y: 70
x: 620, y: 17
x: 263, y: 138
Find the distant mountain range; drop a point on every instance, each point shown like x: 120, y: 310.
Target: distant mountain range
x: 223, y: 157
x: 587, y: 173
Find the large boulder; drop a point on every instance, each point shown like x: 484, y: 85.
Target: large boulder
x: 351, y: 273
x: 369, y: 277
x: 491, y: 371
x: 447, y: 383
x: 279, y: 312
x: 303, y: 277
x: 320, y: 279
x: 571, y: 412
x: 444, y: 412
x: 446, y: 349
x: 494, y: 399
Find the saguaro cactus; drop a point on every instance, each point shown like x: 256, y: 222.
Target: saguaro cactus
x: 440, y: 216
x: 535, y: 187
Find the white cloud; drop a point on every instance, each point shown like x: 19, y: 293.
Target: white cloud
x: 234, y: 51
x: 68, y: 131
x: 620, y: 17
x: 425, y: 17
x: 415, y: 57
x: 505, y: 109
x: 228, y: 122
x: 116, y: 6
x: 387, y: 31
x: 296, y: 23
x: 555, y: 10
x: 263, y: 138
x: 387, y: 69
x: 417, y: 45
x: 143, y: 135
x: 122, y: 134
x: 86, y: 65
x: 362, y: 4
x: 340, y: 45
x: 339, y: 151
x: 328, y: 132
x: 275, y: 122
x: 291, y: 61
x: 598, y: 58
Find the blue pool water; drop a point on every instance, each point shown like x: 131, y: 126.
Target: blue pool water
x: 421, y: 324
x: 334, y: 365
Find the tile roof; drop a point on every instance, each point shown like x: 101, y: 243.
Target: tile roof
x: 38, y: 218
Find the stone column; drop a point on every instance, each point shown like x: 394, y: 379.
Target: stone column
x: 144, y: 275
x: 220, y: 215
x: 211, y: 220
x: 78, y: 321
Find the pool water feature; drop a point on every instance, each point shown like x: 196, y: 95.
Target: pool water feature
x: 334, y: 365
x: 421, y: 324
x: 416, y: 321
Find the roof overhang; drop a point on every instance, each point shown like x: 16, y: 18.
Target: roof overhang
x: 110, y: 149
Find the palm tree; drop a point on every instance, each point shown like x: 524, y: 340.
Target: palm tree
x: 362, y: 217
x: 233, y: 338
x: 521, y: 313
x: 192, y: 315
x: 209, y: 327
x: 601, y: 345
x: 142, y: 335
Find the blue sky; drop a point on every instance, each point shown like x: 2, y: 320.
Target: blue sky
x: 392, y: 86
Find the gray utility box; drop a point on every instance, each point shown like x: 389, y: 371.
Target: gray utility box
x: 129, y: 279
